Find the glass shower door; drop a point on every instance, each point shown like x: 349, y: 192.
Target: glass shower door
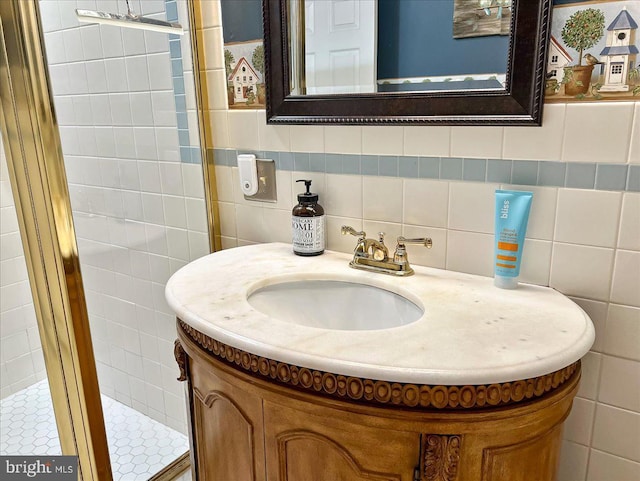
x: 27, y: 422
x: 125, y: 105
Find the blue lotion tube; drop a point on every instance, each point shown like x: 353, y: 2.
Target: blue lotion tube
x: 512, y: 215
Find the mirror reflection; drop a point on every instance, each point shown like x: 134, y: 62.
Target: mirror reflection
x: 370, y: 46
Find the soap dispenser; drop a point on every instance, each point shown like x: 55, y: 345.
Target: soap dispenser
x: 307, y: 222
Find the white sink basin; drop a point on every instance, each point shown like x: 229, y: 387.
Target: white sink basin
x: 330, y: 304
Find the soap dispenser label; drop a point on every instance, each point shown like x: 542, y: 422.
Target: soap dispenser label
x: 308, y: 234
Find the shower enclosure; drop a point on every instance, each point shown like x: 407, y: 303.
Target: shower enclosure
x: 125, y: 108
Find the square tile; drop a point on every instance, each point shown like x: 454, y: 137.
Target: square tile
x: 499, y: 170
x: 588, y: 137
x: 343, y: 196
x: 343, y: 140
x: 471, y: 207
x: 382, y: 199
x: 427, y: 140
x: 617, y: 431
x: 426, y: 202
x: 477, y: 142
x: 623, y: 332
x: 581, y: 271
x: 470, y: 252
x: 409, y: 167
x: 581, y: 175
x: 552, y: 174
x: 385, y: 140
x: 611, y: 177
x: 588, y: 217
x: 351, y: 164
x: 243, y: 129
x: 451, y: 168
x: 388, y: 165
x: 625, y: 288
x: 605, y: 467
x: 272, y: 137
x: 629, y: 235
x: 524, y: 172
x: 617, y: 381
x: 307, y: 138
x: 540, y: 143
x: 474, y: 170
x: 429, y: 167
x: 369, y: 164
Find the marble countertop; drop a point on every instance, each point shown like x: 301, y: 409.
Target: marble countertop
x: 471, y: 332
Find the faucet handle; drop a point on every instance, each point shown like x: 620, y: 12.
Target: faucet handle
x: 347, y: 229
x: 425, y: 241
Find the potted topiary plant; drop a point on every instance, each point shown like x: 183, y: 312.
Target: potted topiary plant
x: 581, y: 31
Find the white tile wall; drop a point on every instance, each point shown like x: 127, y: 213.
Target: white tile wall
x: 139, y: 213
x: 581, y: 242
x: 21, y: 360
x: 584, y: 243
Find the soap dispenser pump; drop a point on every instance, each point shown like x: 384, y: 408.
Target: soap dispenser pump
x: 307, y: 222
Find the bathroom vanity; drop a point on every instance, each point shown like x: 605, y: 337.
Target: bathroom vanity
x: 468, y: 382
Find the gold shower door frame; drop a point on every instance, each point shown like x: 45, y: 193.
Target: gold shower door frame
x: 39, y: 185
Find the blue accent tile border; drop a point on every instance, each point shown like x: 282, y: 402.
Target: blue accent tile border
x: 579, y: 175
x: 189, y: 154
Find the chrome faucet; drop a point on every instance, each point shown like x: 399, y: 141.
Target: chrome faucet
x: 373, y: 255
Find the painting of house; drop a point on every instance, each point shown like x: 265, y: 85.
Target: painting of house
x: 558, y: 59
x: 594, y: 64
x: 620, y: 53
x: 244, y: 80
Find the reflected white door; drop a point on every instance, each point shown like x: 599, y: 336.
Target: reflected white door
x: 340, y: 46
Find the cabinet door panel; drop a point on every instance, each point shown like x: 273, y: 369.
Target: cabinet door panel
x: 533, y: 459
x: 228, y: 430
x: 304, y: 447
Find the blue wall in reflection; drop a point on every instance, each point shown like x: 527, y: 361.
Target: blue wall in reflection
x: 424, y: 45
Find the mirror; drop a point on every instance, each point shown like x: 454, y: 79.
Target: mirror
x: 452, y: 62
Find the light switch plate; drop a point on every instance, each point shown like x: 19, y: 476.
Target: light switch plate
x: 266, y: 182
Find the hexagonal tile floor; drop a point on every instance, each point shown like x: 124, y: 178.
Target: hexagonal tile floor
x: 139, y: 446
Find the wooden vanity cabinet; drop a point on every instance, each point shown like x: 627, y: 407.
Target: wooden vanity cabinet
x: 245, y: 427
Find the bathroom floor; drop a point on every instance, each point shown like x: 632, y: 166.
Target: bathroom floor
x: 139, y: 446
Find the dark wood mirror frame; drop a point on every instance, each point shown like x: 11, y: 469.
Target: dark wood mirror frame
x: 519, y: 104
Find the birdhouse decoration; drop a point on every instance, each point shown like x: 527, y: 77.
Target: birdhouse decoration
x: 620, y: 52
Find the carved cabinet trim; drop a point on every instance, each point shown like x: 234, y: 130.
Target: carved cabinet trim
x: 439, y: 457
x: 181, y: 358
x: 377, y: 392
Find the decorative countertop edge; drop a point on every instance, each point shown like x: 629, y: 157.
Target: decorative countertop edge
x: 380, y: 392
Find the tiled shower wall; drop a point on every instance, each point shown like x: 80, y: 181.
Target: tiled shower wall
x: 583, y: 166
x: 136, y: 195
x: 21, y: 361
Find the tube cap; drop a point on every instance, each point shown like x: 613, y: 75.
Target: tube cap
x: 504, y: 282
